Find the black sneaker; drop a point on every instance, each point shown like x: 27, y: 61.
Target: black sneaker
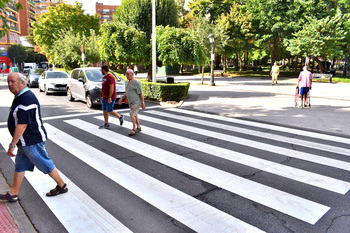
x: 105, y: 126
x: 121, y: 119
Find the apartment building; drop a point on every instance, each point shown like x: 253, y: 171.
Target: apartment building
x: 42, y: 5
x: 105, y: 11
x: 26, y: 16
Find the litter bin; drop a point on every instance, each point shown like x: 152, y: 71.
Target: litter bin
x: 170, y: 80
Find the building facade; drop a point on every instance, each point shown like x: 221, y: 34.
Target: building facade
x: 105, y: 11
x: 26, y: 16
x: 42, y: 5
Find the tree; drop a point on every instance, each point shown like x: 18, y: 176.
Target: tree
x: 67, y: 50
x: 3, y: 3
x: 123, y: 44
x: 138, y: 13
x: 177, y: 45
x: 210, y: 9
x: 52, y: 25
x: 319, y: 37
x: 17, y: 53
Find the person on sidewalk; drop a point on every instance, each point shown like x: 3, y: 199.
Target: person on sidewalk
x: 108, y: 96
x: 29, y: 135
x: 305, y: 80
x: 134, y: 95
x: 275, y: 71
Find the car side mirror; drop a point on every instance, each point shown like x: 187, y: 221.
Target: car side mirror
x: 81, y: 80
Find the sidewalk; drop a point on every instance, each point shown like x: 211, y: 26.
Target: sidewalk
x: 258, y: 100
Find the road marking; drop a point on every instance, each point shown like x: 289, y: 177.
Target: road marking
x: 296, y: 174
x: 266, y: 126
x: 254, y: 144
x: 195, y: 214
x: 75, y: 210
x: 292, y: 205
x: 290, y: 140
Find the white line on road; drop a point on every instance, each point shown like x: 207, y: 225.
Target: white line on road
x: 296, y: 174
x: 292, y: 205
x: 186, y: 209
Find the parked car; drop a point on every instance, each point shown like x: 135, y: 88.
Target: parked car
x: 53, y: 81
x: 86, y: 84
x: 33, y: 77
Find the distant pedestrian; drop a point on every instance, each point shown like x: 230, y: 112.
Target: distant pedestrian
x: 305, y: 80
x: 136, y: 69
x: 275, y: 71
x: 108, y: 97
x: 133, y: 92
x: 29, y: 135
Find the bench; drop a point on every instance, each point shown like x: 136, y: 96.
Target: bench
x: 221, y: 72
x: 323, y: 76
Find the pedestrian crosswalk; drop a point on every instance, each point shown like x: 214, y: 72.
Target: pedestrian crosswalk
x: 180, y: 140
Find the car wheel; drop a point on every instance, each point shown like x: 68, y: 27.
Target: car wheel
x: 40, y: 89
x: 69, y: 95
x: 89, y: 102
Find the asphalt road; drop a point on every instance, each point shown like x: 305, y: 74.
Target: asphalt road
x: 186, y: 171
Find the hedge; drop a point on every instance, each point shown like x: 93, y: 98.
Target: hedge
x: 165, y: 91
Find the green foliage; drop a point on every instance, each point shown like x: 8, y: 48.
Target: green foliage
x: 17, y: 53
x: 165, y: 92
x: 33, y: 56
x: 323, y: 37
x: 4, y: 27
x: 122, y: 44
x: 67, y: 49
x: 177, y: 45
x: 138, y: 13
x: 59, y: 19
x: 211, y: 9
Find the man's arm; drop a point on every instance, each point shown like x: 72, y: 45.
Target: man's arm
x: 110, y: 94
x: 20, y: 128
x: 143, y: 105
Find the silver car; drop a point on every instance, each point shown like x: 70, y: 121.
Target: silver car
x: 86, y: 84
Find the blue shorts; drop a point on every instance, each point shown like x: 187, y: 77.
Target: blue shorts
x: 34, y: 155
x: 106, y: 106
x: 304, y: 90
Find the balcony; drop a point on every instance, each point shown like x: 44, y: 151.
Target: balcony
x: 12, y: 7
x: 13, y: 28
x: 32, y: 11
x: 31, y: 3
x: 14, y: 18
x: 32, y: 18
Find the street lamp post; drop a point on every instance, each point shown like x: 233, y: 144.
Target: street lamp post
x: 211, y: 40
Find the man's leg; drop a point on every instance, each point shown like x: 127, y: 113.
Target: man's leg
x: 56, y: 177
x: 137, y: 122
x: 134, y: 121
x: 17, y: 181
x: 114, y: 113
x: 105, y: 115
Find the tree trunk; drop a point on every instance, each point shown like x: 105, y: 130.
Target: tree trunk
x: 149, y: 74
x: 320, y: 65
x: 203, y: 74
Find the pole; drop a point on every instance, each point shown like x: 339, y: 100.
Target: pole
x: 154, y: 37
x: 212, y: 66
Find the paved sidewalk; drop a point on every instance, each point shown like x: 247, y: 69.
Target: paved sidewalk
x: 257, y: 99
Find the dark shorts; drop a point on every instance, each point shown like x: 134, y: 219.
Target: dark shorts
x: 34, y: 155
x: 106, y: 106
x: 304, y: 90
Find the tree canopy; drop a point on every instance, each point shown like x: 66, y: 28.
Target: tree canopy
x: 52, y: 25
x: 17, y: 53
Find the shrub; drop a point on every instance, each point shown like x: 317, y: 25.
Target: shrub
x: 165, y: 91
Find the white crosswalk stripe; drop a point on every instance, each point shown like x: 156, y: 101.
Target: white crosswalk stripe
x: 75, y: 210
x: 317, y: 180
x: 297, y: 207
x: 197, y: 215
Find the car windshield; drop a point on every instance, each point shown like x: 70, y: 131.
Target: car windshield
x: 95, y: 75
x: 36, y: 71
x: 56, y: 75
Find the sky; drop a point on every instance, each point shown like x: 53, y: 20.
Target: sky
x: 89, y: 5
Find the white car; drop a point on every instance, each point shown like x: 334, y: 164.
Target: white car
x: 53, y: 81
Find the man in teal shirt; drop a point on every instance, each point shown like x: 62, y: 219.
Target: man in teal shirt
x: 133, y: 92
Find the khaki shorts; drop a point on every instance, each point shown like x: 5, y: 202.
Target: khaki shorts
x: 134, y: 109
